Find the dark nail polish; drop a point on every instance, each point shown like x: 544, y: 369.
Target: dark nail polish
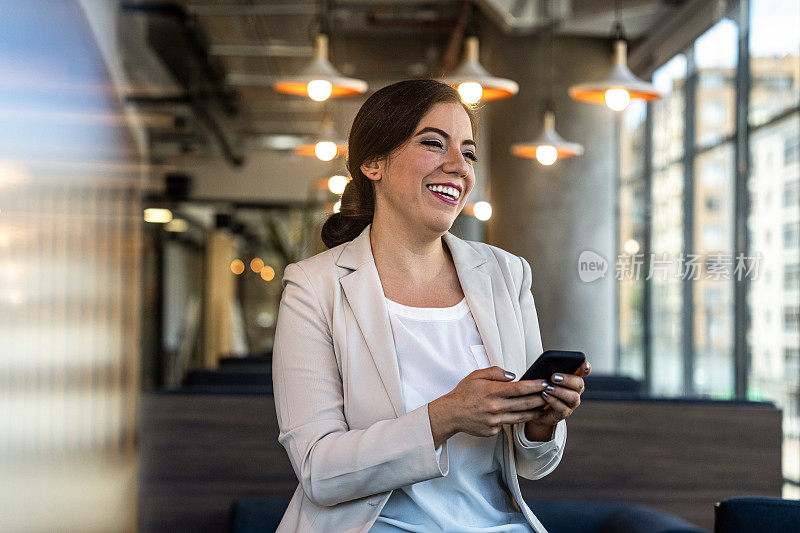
x: 558, y: 378
x: 510, y: 375
x: 550, y: 388
x: 544, y: 393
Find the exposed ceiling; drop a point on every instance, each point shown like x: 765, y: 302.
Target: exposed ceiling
x: 208, y: 66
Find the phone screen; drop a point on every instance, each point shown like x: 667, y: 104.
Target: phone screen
x: 552, y: 361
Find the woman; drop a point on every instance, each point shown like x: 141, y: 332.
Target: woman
x: 396, y: 349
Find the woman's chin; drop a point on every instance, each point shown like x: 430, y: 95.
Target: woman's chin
x: 440, y: 224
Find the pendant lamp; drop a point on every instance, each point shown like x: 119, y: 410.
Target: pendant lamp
x: 327, y: 146
x: 473, y: 81
x: 549, y: 146
x: 320, y: 80
x: 620, y: 85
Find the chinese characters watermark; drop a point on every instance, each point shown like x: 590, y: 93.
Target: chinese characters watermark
x: 715, y: 266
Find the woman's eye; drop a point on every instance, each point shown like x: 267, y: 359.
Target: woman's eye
x: 438, y: 144
x: 433, y: 143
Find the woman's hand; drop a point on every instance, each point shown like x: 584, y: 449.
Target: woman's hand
x: 482, y: 402
x: 486, y: 399
x: 563, y: 395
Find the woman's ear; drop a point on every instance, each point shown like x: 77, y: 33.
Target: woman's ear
x: 371, y: 169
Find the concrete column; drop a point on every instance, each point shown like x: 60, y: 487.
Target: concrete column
x: 549, y: 215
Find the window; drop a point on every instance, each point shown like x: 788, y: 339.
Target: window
x: 774, y: 65
x: 791, y: 319
x: 693, y: 322
x: 791, y: 362
x: 791, y: 276
x: 791, y: 150
x: 791, y: 193
x: 715, y: 57
x: 790, y: 235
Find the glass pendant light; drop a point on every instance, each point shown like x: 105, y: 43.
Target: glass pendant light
x: 320, y: 80
x: 620, y: 86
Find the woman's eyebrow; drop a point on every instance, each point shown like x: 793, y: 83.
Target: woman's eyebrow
x: 443, y: 134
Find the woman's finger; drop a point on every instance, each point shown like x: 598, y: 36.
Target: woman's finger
x: 568, y: 381
x: 558, y: 408
x: 568, y: 396
x: 525, y: 403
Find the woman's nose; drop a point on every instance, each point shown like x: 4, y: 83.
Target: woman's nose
x: 456, y: 162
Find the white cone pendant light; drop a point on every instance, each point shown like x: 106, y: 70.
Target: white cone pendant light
x: 549, y: 146
x: 473, y: 82
x: 327, y: 146
x: 619, y: 87
x: 319, y: 80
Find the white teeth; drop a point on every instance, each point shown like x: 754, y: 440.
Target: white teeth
x: 444, y: 189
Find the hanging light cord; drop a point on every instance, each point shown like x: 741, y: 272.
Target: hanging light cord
x: 550, y: 104
x: 320, y: 24
x: 618, y: 33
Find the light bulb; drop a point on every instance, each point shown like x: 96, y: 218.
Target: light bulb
x: 337, y: 206
x: 237, y: 266
x: 482, y: 210
x: 546, y: 154
x: 177, y: 225
x: 157, y: 215
x: 336, y: 184
x: 267, y: 273
x: 319, y: 90
x: 470, y: 91
x: 617, y: 99
x: 256, y: 264
x: 631, y: 246
x: 325, y: 150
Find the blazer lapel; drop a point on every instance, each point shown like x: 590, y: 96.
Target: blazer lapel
x: 476, y: 282
x: 364, y: 292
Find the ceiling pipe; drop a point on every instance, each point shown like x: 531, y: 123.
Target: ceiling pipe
x: 522, y: 18
x: 185, y: 54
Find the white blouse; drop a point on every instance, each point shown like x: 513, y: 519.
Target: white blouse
x: 437, y: 348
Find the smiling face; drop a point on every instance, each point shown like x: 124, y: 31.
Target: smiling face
x: 424, y: 184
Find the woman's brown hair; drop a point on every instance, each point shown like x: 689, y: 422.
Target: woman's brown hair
x: 384, y: 123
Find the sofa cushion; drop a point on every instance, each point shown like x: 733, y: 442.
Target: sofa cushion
x: 739, y: 515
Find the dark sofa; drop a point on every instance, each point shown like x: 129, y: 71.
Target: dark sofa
x: 261, y: 515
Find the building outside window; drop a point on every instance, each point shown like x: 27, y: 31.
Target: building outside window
x: 678, y: 201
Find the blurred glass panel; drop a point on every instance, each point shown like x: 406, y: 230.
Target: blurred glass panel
x: 774, y: 299
x: 667, y: 302
x: 669, y: 112
x: 631, y: 238
x: 70, y: 240
x: 716, y: 54
x: 631, y: 287
x: 632, y: 138
x: 712, y: 283
x: 774, y: 58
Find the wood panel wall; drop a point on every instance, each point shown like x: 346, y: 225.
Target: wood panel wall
x: 199, y: 453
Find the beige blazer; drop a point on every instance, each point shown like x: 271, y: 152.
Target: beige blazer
x: 337, y: 385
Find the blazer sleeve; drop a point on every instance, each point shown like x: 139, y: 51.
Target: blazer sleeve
x: 534, y: 459
x: 333, y: 463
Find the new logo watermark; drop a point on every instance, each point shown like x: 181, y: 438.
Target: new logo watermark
x: 591, y: 266
x: 717, y: 266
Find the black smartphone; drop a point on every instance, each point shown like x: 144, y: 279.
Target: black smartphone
x: 552, y: 361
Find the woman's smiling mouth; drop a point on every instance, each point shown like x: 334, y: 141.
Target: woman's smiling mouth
x: 445, y: 193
